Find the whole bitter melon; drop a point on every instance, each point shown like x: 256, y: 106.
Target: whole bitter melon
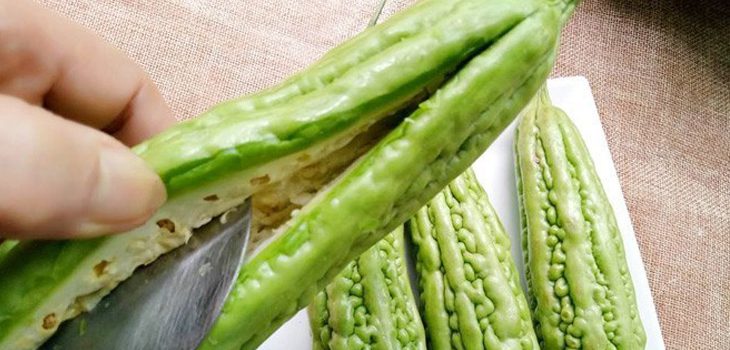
x: 469, y: 287
x: 583, y: 296
x: 471, y: 64
x: 369, y: 305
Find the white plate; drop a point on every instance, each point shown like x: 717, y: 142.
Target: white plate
x: 495, y: 171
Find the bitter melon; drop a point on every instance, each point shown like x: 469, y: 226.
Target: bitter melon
x: 470, y: 290
x: 369, y: 305
x: 583, y: 295
x: 293, y: 150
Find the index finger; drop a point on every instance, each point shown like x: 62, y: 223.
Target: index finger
x: 78, y: 75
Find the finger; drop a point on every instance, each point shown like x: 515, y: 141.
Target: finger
x: 61, y: 179
x: 133, y: 125
x: 76, y: 74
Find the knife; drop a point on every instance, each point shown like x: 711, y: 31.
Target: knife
x: 171, y: 303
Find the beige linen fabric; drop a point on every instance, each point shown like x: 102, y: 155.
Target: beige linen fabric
x: 659, y: 69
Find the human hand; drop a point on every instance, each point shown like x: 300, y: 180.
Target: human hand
x: 61, y: 177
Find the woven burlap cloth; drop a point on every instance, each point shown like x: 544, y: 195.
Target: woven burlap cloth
x: 659, y: 69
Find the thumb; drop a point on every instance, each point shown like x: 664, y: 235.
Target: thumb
x: 60, y: 179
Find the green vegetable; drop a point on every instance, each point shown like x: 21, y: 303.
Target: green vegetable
x: 292, y: 149
x: 577, y: 272
x: 470, y: 290
x: 370, y: 303
x: 388, y: 184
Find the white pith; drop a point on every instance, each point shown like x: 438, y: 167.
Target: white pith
x: 279, y: 188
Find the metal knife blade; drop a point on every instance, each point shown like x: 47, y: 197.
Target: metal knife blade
x: 171, y: 303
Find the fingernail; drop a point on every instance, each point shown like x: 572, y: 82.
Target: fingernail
x: 128, y: 192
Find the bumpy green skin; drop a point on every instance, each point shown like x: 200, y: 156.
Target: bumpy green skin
x: 513, y: 43
x: 375, y: 75
x: 470, y: 290
x: 369, y: 305
x: 391, y: 182
x: 582, y: 289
